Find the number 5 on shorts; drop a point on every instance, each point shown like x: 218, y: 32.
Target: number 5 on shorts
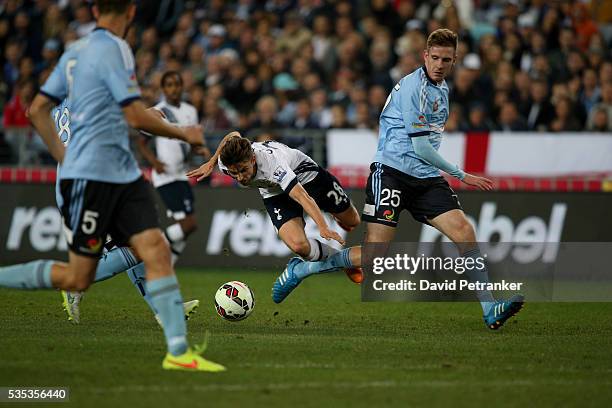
x: 90, y: 222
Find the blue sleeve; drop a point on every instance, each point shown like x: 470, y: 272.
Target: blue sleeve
x: 425, y: 151
x: 56, y: 86
x: 412, y: 103
x: 117, y: 70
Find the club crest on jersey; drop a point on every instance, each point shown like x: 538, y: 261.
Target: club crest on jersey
x: 421, y: 123
x: 279, y: 174
x: 435, y: 106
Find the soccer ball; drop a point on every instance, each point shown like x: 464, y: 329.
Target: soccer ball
x: 234, y: 301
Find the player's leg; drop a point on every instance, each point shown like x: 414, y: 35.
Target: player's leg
x: 293, y: 235
x: 457, y: 228
x: 137, y: 276
x: 381, y: 215
x: 136, y: 222
x: 48, y: 274
x: 179, y: 200
x: 348, y: 219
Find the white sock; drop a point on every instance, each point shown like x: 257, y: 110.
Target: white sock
x: 174, y: 233
x: 319, y: 250
x: 177, y: 249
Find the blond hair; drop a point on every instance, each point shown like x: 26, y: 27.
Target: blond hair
x: 442, y: 37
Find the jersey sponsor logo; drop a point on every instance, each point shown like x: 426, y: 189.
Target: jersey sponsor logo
x: 279, y: 174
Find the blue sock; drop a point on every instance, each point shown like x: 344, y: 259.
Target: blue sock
x: 166, y: 299
x: 339, y: 260
x: 114, y: 262
x: 137, y: 276
x: 480, y: 275
x: 31, y: 275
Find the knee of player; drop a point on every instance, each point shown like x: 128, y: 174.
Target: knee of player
x: 299, y: 246
x: 466, y: 232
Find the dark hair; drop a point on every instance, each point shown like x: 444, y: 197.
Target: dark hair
x: 112, y: 6
x: 169, y: 74
x: 236, y: 150
x: 442, y: 37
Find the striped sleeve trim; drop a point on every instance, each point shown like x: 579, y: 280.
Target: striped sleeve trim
x: 126, y: 53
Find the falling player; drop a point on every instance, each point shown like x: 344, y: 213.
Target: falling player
x: 290, y: 183
x: 406, y: 175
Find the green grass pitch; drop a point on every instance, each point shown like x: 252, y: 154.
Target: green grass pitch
x: 322, y: 347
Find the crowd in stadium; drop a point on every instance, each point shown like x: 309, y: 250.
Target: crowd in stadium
x: 522, y: 65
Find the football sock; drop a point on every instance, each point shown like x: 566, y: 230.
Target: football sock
x: 319, y: 250
x: 477, y: 274
x: 114, y: 262
x: 166, y: 299
x: 137, y: 276
x: 339, y: 260
x: 31, y: 275
x: 176, y: 237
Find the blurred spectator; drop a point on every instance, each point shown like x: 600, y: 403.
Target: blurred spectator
x: 363, y: 118
x: 590, y: 92
x: 540, y: 111
x: 565, y: 119
x: 266, y: 111
x: 303, y: 119
x: 509, y: 119
x: 605, y: 104
x: 17, y: 129
x: 294, y: 35
x: 338, y: 117
x: 600, y: 121
x: 477, y: 120
x: 83, y: 23
x: 214, y: 117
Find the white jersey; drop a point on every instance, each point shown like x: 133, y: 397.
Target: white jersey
x: 173, y: 152
x: 279, y: 168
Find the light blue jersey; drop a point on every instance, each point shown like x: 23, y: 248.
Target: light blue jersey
x: 417, y: 106
x: 96, y: 77
x: 61, y: 118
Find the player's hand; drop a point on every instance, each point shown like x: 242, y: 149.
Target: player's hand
x: 479, y: 182
x: 203, y: 171
x: 203, y: 151
x: 328, y: 233
x: 194, y: 135
x: 159, y: 167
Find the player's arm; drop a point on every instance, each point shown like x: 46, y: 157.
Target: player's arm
x: 207, y: 168
x: 413, y: 103
x: 299, y: 194
x: 149, y: 156
x: 40, y: 116
x: 137, y: 116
